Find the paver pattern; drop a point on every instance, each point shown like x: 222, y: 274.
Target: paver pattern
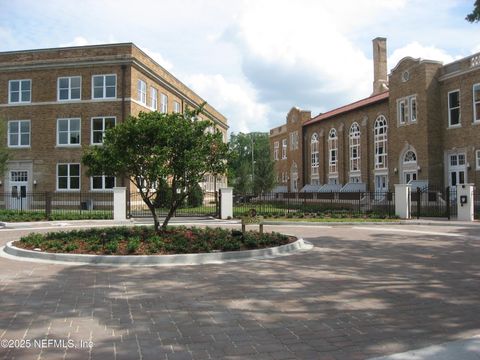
x: 359, y: 293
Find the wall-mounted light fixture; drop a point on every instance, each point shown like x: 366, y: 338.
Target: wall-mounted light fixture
x: 35, y: 182
x: 395, y: 170
x: 419, y: 168
x: 468, y: 166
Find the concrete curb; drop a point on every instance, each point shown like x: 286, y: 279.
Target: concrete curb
x: 156, y: 260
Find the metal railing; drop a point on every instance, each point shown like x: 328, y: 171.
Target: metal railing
x: 347, y: 204
x: 434, y: 202
x: 58, y: 205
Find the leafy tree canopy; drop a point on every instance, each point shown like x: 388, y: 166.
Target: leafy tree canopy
x: 474, y: 16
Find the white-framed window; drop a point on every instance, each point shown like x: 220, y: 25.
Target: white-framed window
x: 354, y: 179
x: 407, y: 110
x: 176, y: 107
x: 477, y: 159
x: 354, y: 140
x: 154, y: 98
x: 102, y: 182
x: 413, y: 108
x: 332, y: 151
x: 99, y: 126
x: 380, y: 140
x: 68, y: 132
x: 276, y: 146
x: 19, y: 133
x: 454, y: 108
x: 104, y: 86
x: 284, y: 148
x: 68, y: 177
x: 314, y: 154
x: 476, y: 103
x: 294, y: 140
x: 163, y: 103
x: 69, y: 88
x: 19, y: 91
x: 402, y: 111
x: 142, y: 92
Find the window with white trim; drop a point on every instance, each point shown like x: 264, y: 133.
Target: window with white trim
x: 102, y: 182
x: 477, y: 158
x: 68, y: 132
x: 19, y: 133
x: 69, y: 88
x: 163, y: 103
x: 332, y: 151
x: 19, y: 91
x: 276, y: 146
x: 284, y: 148
x: 413, y: 108
x: 142, y: 92
x: 380, y: 140
x: 154, y: 98
x: 68, y: 176
x: 104, y: 86
x: 402, y: 111
x: 476, y: 103
x: 99, y: 126
x: 454, y: 108
x: 176, y: 107
x: 407, y: 110
x: 314, y: 154
x: 354, y: 140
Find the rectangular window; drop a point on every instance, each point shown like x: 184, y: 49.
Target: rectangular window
x: 163, y: 103
x: 275, y: 150
x: 19, y: 133
x: 99, y: 126
x: 19, y: 91
x: 413, y: 108
x: 176, y: 106
x: 69, y: 88
x: 68, y: 176
x: 294, y: 140
x: 142, y: 92
x: 477, y: 158
x: 104, y: 86
x: 68, y: 132
x: 102, y: 182
x: 454, y: 108
x: 153, y: 98
x: 284, y: 148
x: 476, y: 103
x: 402, y: 111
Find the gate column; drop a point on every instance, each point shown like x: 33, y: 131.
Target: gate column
x: 226, y: 205
x: 119, y: 204
x: 465, y: 202
x: 402, y: 200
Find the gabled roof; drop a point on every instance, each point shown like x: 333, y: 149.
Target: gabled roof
x: 350, y: 107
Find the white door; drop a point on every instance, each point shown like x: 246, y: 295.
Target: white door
x: 409, y: 176
x: 381, y: 186
x: 457, y: 170
x: 18, y: 190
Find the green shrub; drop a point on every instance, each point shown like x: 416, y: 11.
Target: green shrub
x: 111, y: 247
x: 133, y: 245
x: 195, y: 198
x: 34, y: 240
x: 71, y: 247
x: 94, y: 247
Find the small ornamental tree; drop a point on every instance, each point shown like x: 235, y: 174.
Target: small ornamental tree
x: 156, y: 147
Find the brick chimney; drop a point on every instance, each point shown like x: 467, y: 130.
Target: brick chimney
x: 380, y: 78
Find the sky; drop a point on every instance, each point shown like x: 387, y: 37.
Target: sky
x: 253, y: 60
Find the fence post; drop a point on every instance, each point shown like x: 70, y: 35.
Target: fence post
x: 48, y: 205
x: 465, y: 202
x: 402, y: 200
x: 119, y: 203
x: 447, y: 200
x: 218, y: 203
x: 226, y: 206
x: 419, y: 202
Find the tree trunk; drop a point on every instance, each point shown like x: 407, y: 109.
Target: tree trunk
x: 156, y: 223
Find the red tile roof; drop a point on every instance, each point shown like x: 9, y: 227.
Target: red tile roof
x: 346, y: 108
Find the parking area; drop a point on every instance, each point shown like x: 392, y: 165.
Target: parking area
x: 363, y: 291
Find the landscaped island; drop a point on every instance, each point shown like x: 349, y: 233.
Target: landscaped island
x: 143, y: 240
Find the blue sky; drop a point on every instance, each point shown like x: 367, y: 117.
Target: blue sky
x: 254, y: 60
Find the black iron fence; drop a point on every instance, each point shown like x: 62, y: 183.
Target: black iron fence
x: 476, y: 204
x: 434, y: 202
x: 136, y: 207
x: 348, y: 204
x: 58, y: 205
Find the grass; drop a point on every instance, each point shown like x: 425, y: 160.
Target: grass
x: 145, y: 241
x: 329, y: 220
x: 25, y: 216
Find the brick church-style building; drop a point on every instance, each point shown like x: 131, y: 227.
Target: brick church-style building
x: 421, y: 125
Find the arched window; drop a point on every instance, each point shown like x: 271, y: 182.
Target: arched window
x: 314, y: 154
x: 410, y: 157
x: 332, y: 152
x: 380, y: 139
x: 354, y: 137
x: 409, y: 166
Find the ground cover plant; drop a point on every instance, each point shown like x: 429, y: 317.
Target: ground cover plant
x: 32, y: 215
x: 145, y: 240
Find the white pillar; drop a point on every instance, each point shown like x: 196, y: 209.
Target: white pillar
x: 402, y: 200
x: 465, y: 202
x: 226, y: 206
x: 119, y: 203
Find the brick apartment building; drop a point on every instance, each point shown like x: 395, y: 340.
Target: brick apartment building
x: 58, y: 101
x: 421, y: 125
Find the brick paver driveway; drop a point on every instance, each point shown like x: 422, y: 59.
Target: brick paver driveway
x: 361, y: 292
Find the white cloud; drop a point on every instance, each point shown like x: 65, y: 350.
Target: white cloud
x: 416, y: 50
x: 77, y: 41
x: 155, y: 55
x: 237, y: 102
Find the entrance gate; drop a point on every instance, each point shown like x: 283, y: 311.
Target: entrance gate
x: 431, y: 201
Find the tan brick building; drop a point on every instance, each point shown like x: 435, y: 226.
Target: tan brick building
x: 421, y: 125
x: 58, y: 101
